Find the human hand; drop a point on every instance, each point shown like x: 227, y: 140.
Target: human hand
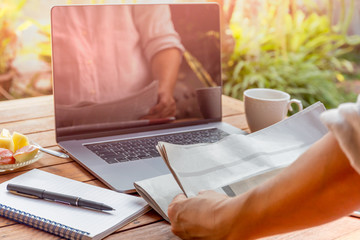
x: 205, y: 216
x: 165, y: 107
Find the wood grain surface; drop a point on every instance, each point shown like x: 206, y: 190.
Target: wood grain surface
x: 35, y: 118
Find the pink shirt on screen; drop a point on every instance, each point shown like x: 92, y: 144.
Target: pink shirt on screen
x: 106, y: 51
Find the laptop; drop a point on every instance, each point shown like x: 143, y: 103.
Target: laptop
x: 130, y: 75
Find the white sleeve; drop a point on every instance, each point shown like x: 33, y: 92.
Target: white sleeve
x: 344, y: 123
x: 156, y: 29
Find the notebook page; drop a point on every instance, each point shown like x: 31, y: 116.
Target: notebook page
x: 91, y: 221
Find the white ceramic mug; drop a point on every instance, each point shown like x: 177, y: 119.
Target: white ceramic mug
x: 264, y: 107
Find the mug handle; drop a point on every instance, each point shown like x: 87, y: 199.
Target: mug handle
x: 297, y: 102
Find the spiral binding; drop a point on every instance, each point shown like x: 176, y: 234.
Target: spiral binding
x: 41, y: 223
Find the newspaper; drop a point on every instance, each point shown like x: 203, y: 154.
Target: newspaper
x: 159, y: 192
x: 125, y: 112
x: 236, y: 163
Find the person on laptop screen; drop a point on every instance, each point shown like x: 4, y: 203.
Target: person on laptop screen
x: 117, y: 60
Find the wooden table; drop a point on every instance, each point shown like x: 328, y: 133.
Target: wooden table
x: 35, y: 118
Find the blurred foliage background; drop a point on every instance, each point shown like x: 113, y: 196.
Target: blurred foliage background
x: 305, y: 47
x: 297, y: 48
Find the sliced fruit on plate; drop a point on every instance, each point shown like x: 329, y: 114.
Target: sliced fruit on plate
x: 6, y: 156
x: 25, y: 153
x: 5, y: 133
x: 6, y: 140
x: 19, y: 141
x: 7, y: 143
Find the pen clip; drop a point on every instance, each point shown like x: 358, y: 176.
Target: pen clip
x: 23, y: 194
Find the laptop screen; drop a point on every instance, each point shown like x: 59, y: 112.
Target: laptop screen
x: 134, y: 67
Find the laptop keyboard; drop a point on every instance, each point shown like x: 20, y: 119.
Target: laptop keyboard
x: 142, y: 148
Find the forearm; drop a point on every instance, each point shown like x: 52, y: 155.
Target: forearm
x: 165, y: 66
x: 319, y: 187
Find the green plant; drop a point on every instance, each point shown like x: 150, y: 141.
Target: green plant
x: 291, y: 51
x: 10, y: 12
x: 7, y: 44
x: 44, y: 47
x: 40, y: 82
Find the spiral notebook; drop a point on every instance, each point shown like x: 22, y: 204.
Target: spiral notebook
x: 68, y: 221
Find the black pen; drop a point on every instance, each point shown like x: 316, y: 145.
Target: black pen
x: 56, y: 197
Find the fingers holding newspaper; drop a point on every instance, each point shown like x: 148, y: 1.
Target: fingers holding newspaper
x: 232, y: 166
x: 205, y: 216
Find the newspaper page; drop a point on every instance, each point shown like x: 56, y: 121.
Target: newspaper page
x: 159, y: 192
x: 125, y: 112
x: 237, y: 158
